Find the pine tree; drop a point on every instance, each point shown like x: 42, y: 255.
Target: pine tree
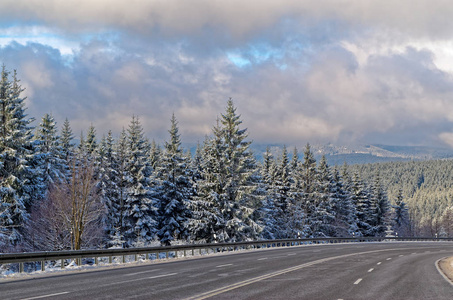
x: 282, y: 198
x: 295, y: 159
x: 66, y: 141
x: 345, y: 211
x: 379, y: 209
x: 227, y: 195
x: 140, y: 215
x: 20, y: 183
x: 176, y: 190
x: 400, y: 216
x: 361, y: 200
x: 206, y: 221
x: 49, y: 152
x: 109, y: 179
x: 308, y: 189
x: 155, y: 155
x: 91, y: 142
x: 269, y: 219
x: 121, y: 149
x: 324, y: 214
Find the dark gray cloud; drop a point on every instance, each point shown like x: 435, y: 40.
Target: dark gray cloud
x: 298, y: 71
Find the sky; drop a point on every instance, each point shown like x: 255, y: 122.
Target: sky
x: 378, y: 72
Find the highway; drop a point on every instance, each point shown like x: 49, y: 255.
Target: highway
x: 391, y: 270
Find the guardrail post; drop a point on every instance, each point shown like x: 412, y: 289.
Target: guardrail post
x: 62, y: 263
x: 166, y: 254
x: 123, y: 260
x: 43, y: 265
x: 110, y: 259
x: 21, y: 267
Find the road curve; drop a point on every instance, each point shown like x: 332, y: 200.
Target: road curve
x: 393, y: 270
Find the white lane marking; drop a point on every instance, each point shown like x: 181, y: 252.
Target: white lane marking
x: 149, y: 271
x: 164, y: 275
x: 291, y: 254
x: 441, y: 272
x: 221, y: 266
x: 414, y: 252
x: 379, y: 263
x: 389, y: 258
x: 263, y: 258
x: 401, y: 255
x: 358, y: 281
x: 370, y: 270
x: 45, y: 296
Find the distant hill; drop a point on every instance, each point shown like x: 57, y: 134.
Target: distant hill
x: 363, y: 154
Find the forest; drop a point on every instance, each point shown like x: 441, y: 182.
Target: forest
x: 131, y: 192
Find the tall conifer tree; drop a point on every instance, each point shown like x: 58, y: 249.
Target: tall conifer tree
x: 175, y: 191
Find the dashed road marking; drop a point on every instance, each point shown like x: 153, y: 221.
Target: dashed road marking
x: 379, y: 263
x: 149, y: 271
x: 370, y: 270
x: 227, y: 265
x: 164, y: 275
x: 358, y: 281
x: 263, y: 258
x: 389, y: 258
x: 45, y: 296
x: 401, y: 255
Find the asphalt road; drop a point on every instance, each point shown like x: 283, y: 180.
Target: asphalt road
x: 394, y: 270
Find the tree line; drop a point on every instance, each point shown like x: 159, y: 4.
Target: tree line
x: 130, y: 191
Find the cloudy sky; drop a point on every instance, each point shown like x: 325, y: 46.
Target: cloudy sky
x: 298, y: 71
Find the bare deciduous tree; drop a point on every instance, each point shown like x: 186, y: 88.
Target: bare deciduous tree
x: 70, y: 217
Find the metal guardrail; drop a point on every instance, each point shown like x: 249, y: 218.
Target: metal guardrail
x: 42, y: 257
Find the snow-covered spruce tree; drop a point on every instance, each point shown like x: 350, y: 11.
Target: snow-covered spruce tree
x: 91, y: 142
x: 324, y: 215
x: 139, y: 208
x: 242, y: 179
x: 155, y: 155
x: 121, y: 149
x: 361, y: 200
x: 308, y: 181
x: 206, y: 223
x: 379, y: 209
x: 49, y: 152
x: 109, y: 178
x: 283, y: 201
x: 227, y: 191
x: 268, y: 216
x: 400, y: 216
x: 20, y: 183
x: 196, y: 162
x: 295, y: 160
x: 175, y: 190
x: 66, y: 141
x: 345, y: 212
